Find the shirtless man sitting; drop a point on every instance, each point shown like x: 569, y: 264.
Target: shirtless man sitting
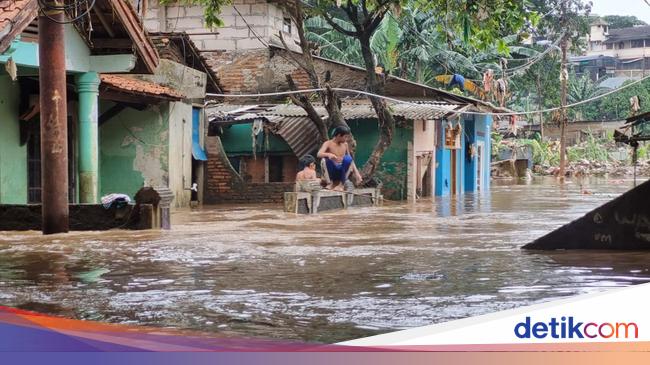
x: 339, y: 163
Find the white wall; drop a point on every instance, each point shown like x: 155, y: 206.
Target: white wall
x: 423, y: 135
x: 180, y: 152
x: 244, y: 21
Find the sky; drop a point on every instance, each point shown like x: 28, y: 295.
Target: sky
x: 638, y: 8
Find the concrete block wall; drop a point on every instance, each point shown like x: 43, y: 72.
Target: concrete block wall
x: 248, y: 24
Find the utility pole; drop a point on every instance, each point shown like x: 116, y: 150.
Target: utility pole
x: 54, y: 123
x: 540, y: 105
x: 564, y: 77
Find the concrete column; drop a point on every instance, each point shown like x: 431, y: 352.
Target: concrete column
x: 88, y: 90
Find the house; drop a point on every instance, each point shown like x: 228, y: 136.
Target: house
x: 630, y: 47
x: 128, y: 124
x: 255, y: 143
x: 254, y: 148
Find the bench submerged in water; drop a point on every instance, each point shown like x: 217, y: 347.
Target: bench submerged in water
x: 322, y: 200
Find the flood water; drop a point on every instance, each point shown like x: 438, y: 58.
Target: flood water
x: 256, y: 271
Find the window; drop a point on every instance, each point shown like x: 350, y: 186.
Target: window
x: 638, y: 43
x: 286, y: 25
x: 621, y: 45
x: 610, y: 46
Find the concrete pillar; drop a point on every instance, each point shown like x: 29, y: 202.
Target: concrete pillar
x: 88, y: 90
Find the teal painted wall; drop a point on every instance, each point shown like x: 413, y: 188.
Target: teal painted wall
x: 471, y: 163
x: 393, y: 166
x: 237, y: 140
x: 13, y: 157
x: 77, y: 56
x: 134, y: 150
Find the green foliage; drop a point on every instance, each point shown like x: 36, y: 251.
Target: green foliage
x: 496, y: 144
x: 385, y: 42
x: 592, y: 150
x: 212, y: 9
x: 580, y: 89
x: 617, y: 106
x: 333, y: 44
x: 622, y: 21
x: 574, y: 20
x: 642, y: 152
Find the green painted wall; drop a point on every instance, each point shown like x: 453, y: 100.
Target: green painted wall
x: 134, y: 150
x: 393, y: 166
x: 237, y: 140
x: 13, y: 157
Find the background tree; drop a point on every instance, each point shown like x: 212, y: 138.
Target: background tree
x: 567, y: 19
x: 480, y: 23
x: 582, y: 88
x: 538, y: 83
x: 622, y: 21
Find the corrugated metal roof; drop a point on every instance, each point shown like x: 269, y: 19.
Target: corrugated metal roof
x: 289, y: 122
x: 294, y: 126
x: 300, y: 133
x: 626, y: 34
x: 424, y: 110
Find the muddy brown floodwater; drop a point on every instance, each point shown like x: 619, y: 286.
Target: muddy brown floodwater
x: 256, y: 271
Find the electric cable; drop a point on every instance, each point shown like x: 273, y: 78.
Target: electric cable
x: 395, y: 100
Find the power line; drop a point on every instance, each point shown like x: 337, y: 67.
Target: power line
x: 388, y: 98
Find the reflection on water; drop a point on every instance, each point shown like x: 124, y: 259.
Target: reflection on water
x: 332, y: 277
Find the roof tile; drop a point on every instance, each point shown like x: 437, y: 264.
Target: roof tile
x: 131, y: 85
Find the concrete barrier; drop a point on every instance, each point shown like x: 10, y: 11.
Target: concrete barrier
x: 324, y: 200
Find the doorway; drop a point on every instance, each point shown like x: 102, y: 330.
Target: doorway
x: 453, y: 173
x: 480, y: 158
x: 34, y: 187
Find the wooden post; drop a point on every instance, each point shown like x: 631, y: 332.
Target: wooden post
x: 54, y: 123
x: 564, y: 78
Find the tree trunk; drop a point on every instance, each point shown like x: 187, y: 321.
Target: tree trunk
x: 564, y: 75
x: 385, y: 119
x: 306, y: 62
x: 540, y: 105
x: 302, y: 101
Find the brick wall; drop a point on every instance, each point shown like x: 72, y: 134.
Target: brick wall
x: 254, y: 170
x: 265, y: 70
x: 224, y: 185
x: 241, y: 71
x: 253, y: 193
x: 289, y: 168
